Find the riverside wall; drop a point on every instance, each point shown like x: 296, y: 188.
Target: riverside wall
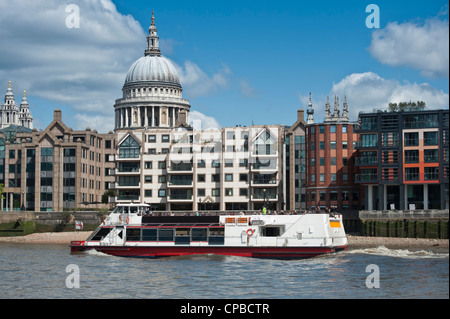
x: 402, y: 224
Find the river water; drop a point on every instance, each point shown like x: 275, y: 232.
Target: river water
x: 48, y: 271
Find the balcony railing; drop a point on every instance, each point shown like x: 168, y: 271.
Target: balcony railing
x: 359, y: 161
x: 366, y: 178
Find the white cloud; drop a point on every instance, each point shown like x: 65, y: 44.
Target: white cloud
x: 368, y: 91
x: 83, y: 67
x: 197, y: 83
x: 424, y: 47
x: 200, y: 121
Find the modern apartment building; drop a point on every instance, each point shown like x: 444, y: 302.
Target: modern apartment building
x: 55, y: 168
x: 404, y: 158
x: 330, y: 158
x: 238, y: 168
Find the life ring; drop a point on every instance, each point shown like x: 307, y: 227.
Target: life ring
x: 127, y: 220
x: 250, y: 232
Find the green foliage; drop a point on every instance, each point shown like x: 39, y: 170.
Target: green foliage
x: 407, y: 106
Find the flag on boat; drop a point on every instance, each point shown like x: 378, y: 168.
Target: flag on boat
x: 78, y: 225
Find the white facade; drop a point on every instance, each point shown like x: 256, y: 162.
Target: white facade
x: 229, y: 169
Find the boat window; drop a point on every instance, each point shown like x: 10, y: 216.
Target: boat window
x: 216, y: 236
x: 117, y: 210
x: 133, y: 209
x: 149, y: 234
x: 165, y: 234
x: 199, y: 234
x: 183, y: 232
x: 182, y: 236
x: 273, y: 231
x: 133, y: 234
x: 101, y: 233
x: 216, y: 232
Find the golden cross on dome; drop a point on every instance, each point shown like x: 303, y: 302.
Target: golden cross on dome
x: 153, y: 17
x: 9, y: 84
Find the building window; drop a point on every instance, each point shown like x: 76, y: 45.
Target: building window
x: 322, y: 178
x: 333, y: 195
x: 152, y: 138
x: 322, y: 195
x: 368, y: 140
x: 161, y: 179
x: 412, y: 174
x: 412, y: 139
x: 148, y: 193
x: 333, y: 145
x: 344, y: 128
x: 215, y: 192
x: 200, y: 192
x: 162, y: 193
x: 161, y: 164
x: 215, y: 163
x: 321, y: 129
x: 215, y: 178
x: 322, y: 145
x: 165, y: 138
x: 228, y: 192
x: 431, y: 156
x: 431, y: 173
x: 243, y: 177
x: 332, y: 128
x: 201, y: 178
x: 148, y: 178
x: 411, y: 156
x: 230, y: 135
x: 333, y: 161
x: 228, y: 163
x: 322, y: 161
x: 430, y: 138
x: 228, y: 177
x: 243, y: 192
x: 129, y: 148
x: 201, y: 164
x: 148, y: 165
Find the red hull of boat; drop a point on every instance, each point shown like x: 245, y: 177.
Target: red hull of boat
x: 169, y: 251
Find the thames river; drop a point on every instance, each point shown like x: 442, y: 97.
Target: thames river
x: 50, y: 271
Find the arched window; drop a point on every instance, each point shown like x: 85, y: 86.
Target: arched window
x: 129, y: 148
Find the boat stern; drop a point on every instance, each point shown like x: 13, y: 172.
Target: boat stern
x: 77, y: 245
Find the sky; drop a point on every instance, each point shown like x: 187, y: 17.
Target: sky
x: 239, y: 62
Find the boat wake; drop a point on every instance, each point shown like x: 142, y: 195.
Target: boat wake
x: 399, y: 253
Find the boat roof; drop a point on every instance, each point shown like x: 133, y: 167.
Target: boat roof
x: 132, y: 204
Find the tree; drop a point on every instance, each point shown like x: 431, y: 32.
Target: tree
x: 108, y: 193
x: 407, y: 106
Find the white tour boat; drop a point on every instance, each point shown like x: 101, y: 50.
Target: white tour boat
x: 128, y: 231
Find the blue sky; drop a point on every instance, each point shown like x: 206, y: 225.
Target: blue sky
x: 241, y: 62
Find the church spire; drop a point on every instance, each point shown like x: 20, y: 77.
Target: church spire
x: 310, y: 112
x: 152, y: 39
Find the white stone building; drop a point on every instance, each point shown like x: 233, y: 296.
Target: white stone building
x: 10, y: 114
